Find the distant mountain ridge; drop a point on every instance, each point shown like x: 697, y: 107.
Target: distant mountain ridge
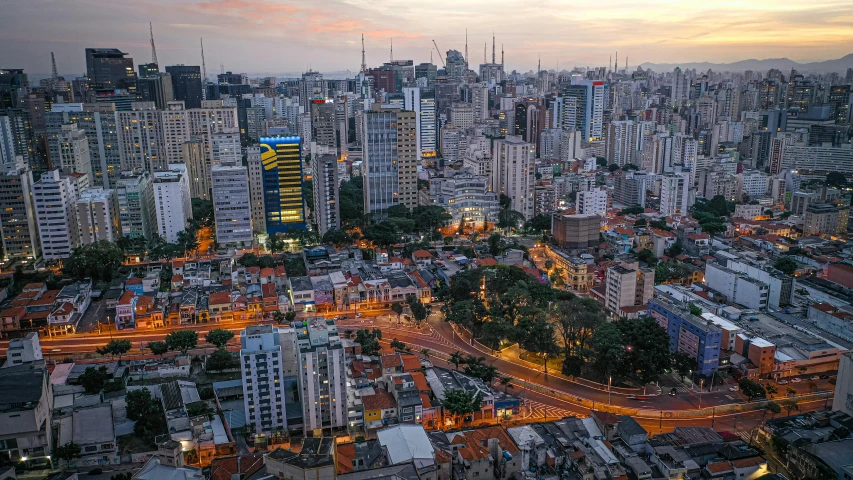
x: 784, y: 64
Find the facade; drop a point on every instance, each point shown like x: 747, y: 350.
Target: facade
x: 18, y: 226
x: 135, y: 196
x: 630, y: 188
x: 322, y: 375
x: 172, y: 205
x: 843, y: 399
x: 424, y: 108
x: 53, y: 198
x: 26, y: 409
x: 576, y: 232
x: 621, y: 144
x: 695, y: 336
x: 232, y: 207
x: 513, y: 173
x: 390, y: 160
x: 74, y: 151
x: 99, y: 123
x: 225, y: 149
x: 327, y: 209
x: 826, y: 219
x: 197, y: 169
x: 737, y: 287
x: 465, y: 196
x: 186, y: 84
x: 265, y: 353
x: 97, y: 215
x: 140, y: 138
x: 628, y: 285
x: 675, y: 194
x: 108, y: 69
x: 256, y: 189
x: 282, y: 180
x: 592, y: 202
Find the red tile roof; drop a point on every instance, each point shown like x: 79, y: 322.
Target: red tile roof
x: 344, y: 455
x: 748, y: 462
x: 391, y: 360
x: 268, y: 290
x: 267, y: 272
x: 420, y: 381
x: 220, y: 298
x: 381, y: 399
x: 133, y: 281
x: 243, y: 466
x: 421, y: 254
x: 410, y: 363
x: 719, y: 467
x: 487, y: 262
x: 126, y: 298
x: 18, y: 312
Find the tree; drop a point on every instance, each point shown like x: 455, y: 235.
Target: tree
x: 460, y: 403
x: 397, y: 345
x: 138, y: 403
x: 836, y: 180
x: 147, y: 413
x: 613, y: 167
x: 789, y: 406
x: 397, y: 308
x: 369, y: 341
x: 601, y: 161
x: 92, y: 379
x: 772, y: 407
x: 158, y: 348
x: 115, y: 348
x: 785, y: 264
x: 506, y: 382
x: 338, y: 238
x: 67, y: 452
x: 634, y: 210
x: 99, y: 261
x: 540, y: 339
x: 676, y: 249
x: 635, y: 349
x: 751, y: 389
x: 290, y: 316
x: 219, y: 337
x: 456, y: 359
x: 495, y: 244
x: 248, y: 260
x: 646, y: 256
x: 182, y: 340
x: 202, y: 212
x: 295, y: 267
x: 351, y: 202
x: 683, y: 363
x: 220, y: 359
x: 275, y: 243
x: 695, y: 310
x: 539, y: 223
x: 278, y: 317
x: 417, y: 308
x: 425, y: 352
x: 122, y: 476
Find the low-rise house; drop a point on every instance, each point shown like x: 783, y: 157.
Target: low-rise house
x: 126, y: 310
x: 150, y: 312
x: 301, y: 293
x: 26, y: 406
x: 78, y: 294
x: 10, y: 319
x: 422, y: 258
x: 91, y: 428
x: 380, y: 409
x: 270, y: 298
x: 134, y: 285
x: 63, y: 319
x: 219, y: 304
x: 315, y: 461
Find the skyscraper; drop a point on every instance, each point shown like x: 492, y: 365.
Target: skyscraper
x: 283, y: 204
x: 156, y: 88
x: 232, y: 208
x: 390, y: 159
x: 18, y: 227
x: 424, y: 108
x: 107, y: 69
x: 311, y: 86
x: 98, y: 120
x: 186, y: 84
x: 680, y: 87
x: 256, y: 189
x: 327, y: 209
x: 267, y: 357
x: 172, y: 203
x: 97, y: 216
x: 322, y: 378
x: 135, y: 196
x: 74, y: 151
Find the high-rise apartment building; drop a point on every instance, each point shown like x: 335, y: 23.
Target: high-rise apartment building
x: 98, y: 120
x: 97, y: 216
x: 390, y: 159
x: 176, y: 128
x: 462, y: 115
x: 592, y: 202
x: 327, y: 209
x: 256, y: 189
x: 74, y: 151
x: 675, y: 193
x: 680, y: 87
x: 172, y: 205
x: 225, y: 149
x: 322, y: 375
x: 621, y: 142
x: 480, y: 101
x: 311, y: 86
x: 267, y: 357
x: 54, y: 198
x: 232, y: 207
x: 156, y: 88
x: 513, y: 173
x: 424, y: 108
x: 135, y: 197
x: 283, y: 203
x: 628, y: 285
x: 140, y: 138
x: 18, y: 227
x: 186, y: 84
x: 576, y: 232
x: 197, y: 169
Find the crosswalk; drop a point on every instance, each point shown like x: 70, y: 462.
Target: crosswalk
x: 540, y: 410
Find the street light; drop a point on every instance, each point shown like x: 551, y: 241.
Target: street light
x: 610, y: 390
x: 701, y: 384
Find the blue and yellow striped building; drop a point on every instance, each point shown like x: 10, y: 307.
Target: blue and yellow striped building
x: 282, y: 161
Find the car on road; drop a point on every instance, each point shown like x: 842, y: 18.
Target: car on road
x: 673, y: 392
x: 357, y: 315
x: 734, y: 389
x: 782, y: 381
x: 815, y: 377
x: 796, y: 380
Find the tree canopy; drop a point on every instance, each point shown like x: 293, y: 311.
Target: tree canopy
x: 218, y: 337
x: 99, y: 261
x: 182, y: 340
x: 785, y: 264
x: 836, y: 180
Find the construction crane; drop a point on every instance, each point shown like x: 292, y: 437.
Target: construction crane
x: 439, y: 54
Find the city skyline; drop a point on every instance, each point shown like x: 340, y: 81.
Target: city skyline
x: 289, y: 36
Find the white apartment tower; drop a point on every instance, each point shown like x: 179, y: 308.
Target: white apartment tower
x: 225, y: 148
x: 322, y: 375
x: 390, y: 159
x: 621, y: 142
x: 513, y: 173
x: 97, y: 215
x: 592, y: 202
x: 424, y: 108
x: 267, y: 356
x: 172, y: 205
x: 74, y: 154
x: 53, y: 197
x: 480, y: 101
x: 675, y: 193
x: 140, y: 138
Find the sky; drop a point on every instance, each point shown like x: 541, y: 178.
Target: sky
x: 284, y: 36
